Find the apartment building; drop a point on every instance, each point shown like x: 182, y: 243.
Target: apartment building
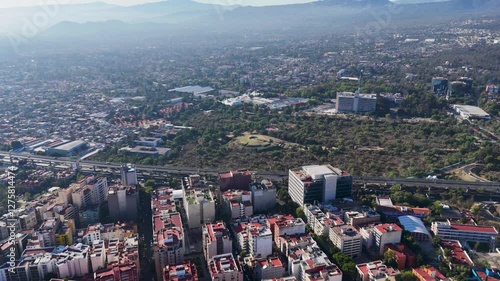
x: 181, y: 272
x: 168, y: 241
x: 285, y: 243
x: 118, y: 272
x: 311, y: 264
x: 376, y: 271
x: 254, y: 236
x: 238, y: 203
x: 319, y: 221
x: 168, y: 231
x: 263, y: 196
x: 64, y: 235
x: 200, y: 207
x: 90, y: 191
x: 123, y: 202
x: 384, y: 234
x: 47, y: 232
x: 361, y: 217
x: 269, y: 268
x: 98, y: 255
x: 237, y: 179
x: 216, y: 240
x: 287, y: 226
x: 18, y: 272
x: 225, y: 267
x: 347, y: 239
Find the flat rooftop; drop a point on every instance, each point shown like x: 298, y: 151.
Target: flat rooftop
x: 149, y: 139
x: 230, y: 174
x: 150, y: 150
x: 474, y: 228
x: 346, y: 230
x: 318, y: 171
x: 70, y: 145
x: 196, y: 90
x: 388, y: 227
x: 353, y: 95
x: 384, y: 201
x: 470, y: 110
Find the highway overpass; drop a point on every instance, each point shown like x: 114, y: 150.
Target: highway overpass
x: 275, y: 175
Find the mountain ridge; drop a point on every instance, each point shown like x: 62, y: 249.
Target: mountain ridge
x: 155, y: 20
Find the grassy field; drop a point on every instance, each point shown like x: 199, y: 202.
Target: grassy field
x: 256, y: 141
x: 261, y: 143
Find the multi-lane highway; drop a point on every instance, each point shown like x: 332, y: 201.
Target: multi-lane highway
x: 429, y: 183
x: 276, y: 175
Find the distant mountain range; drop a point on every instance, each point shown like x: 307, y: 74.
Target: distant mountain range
x: 416, y: 1
x: 355, y: 2
x: 182, y: 17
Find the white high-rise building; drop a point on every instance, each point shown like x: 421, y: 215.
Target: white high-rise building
x: 318, y: 183
x: 384, y: 234
x: 72, y: 261
x: 356, y: 102
x: 260, y: 241
x: 98, y: 255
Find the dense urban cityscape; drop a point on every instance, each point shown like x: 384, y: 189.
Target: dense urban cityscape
x: 363, y: 148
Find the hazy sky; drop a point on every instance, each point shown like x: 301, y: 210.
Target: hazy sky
x: 18, y: 3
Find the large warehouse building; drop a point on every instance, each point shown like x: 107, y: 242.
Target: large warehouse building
x: 471, y: 112
x: 68, y: 149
